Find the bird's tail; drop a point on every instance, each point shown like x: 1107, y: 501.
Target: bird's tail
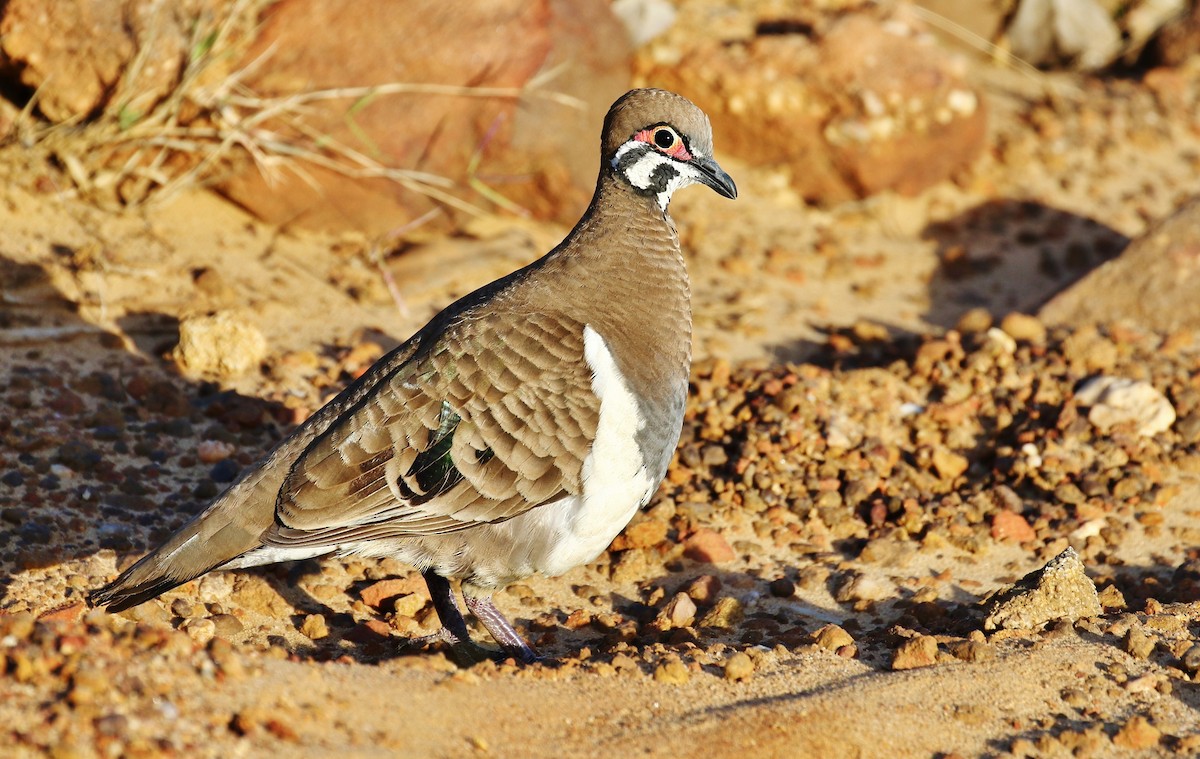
x: 219, y: 535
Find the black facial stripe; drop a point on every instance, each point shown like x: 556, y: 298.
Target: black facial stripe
x: 632, y: 156
x: 662, y: 176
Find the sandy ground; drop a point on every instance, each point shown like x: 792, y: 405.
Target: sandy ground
x: 103, y: 450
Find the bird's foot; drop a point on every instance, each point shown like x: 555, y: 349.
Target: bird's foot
x: 466, y: 653
x: 501, y: 630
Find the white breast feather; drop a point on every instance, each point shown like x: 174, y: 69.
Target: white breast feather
x: 615, y: 480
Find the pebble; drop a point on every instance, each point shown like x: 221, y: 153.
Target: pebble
x: 378, y: 594
x: 646, y: 534
x: 1116, y: 401
x: 221, y: 346
x: 739, y: 667
x: 1024, y: 328
x: 680, y: 611
x: 725, y: 614
x: 708, y: 546
x: 1138, y: 644
x: 225, y: 470
x: 1191, y: 659
x: 782, y: 587
x: 831, y: 637
x: 949, y: 465
x: 314, y: 627
x: 1008, y: 525
x: 921, y: 651
x: 227, y: 625
x: 704, y: 589
x: 200, y: 630
x: 865, y: 587
x: 1138, y: 733
x: 972, y: 651
x: 674, y: 672
x: 1111, y: 598
x: 212, y: 451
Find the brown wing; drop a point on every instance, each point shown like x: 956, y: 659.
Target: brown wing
x: 480, y: 428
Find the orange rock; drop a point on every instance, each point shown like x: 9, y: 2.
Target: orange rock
x: 64, y: 613
x: 1008, y: 525
x: 1137, y: 733
x: 708, y: 546
x: 704, y: 588
x: 383, y: 591
x: 646, y: 534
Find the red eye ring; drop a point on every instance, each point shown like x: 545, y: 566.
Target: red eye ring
x: 665, y: 140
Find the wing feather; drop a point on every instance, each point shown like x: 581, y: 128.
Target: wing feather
x: 478, y: 428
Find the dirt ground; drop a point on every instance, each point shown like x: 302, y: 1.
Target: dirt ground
x: 862, y: 462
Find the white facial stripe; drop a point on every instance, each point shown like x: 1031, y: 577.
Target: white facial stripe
x: 640, y: 171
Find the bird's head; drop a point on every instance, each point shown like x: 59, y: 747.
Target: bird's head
x: 657, y: 141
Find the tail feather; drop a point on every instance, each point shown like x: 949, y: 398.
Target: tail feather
x: 228, y: 532
x: 118, y: 595
x: 220, y: 534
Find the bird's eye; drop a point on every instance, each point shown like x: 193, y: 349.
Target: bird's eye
x: 665, y: 138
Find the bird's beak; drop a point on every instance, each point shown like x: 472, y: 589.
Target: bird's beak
x: 715, y: 177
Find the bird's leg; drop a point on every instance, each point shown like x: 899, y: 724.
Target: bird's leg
x: 500, y: 628
x: 454, y: 627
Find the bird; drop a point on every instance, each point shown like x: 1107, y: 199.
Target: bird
x: 517, y: 433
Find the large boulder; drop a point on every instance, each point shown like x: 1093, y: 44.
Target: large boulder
x: 532, y: 151
x: 80, y: 54
x: 850, y: 103
x: 1153, y: 282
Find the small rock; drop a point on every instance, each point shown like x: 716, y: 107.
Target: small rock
x: 371, y: 631
x: 708, y: 546
x: 221, y: 346
x: 864, y: 587
x: 378, y: 594
x: 215, y: 587
x: 832, y: 637
x: 1009, y: 525
x: 1059, y: 590
x: 212, y: 451
x: 739, y: 667
x: 1024, y: 327
x: 782, y: 588
x: 703, y: 589
x: 972, y: 651
x: 920, y: 651
x: 226, y: 659
x: 200, y: 630
x: 1117, y: 400
x: 949, y: 464
x: 725, y: 614
x: 314, y: 627
x: 1191, y: 659
x: 974, y: 320
x: 1111, y: 598
x: 63, y: 613
x: 408, y: 605
x: 227, y: 625
x: 646, y: 534
x: 674, y: 673
x: 1139, y: 644
x: 183, y: 608
x: 1137, y: 733
x: 680, y: 611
